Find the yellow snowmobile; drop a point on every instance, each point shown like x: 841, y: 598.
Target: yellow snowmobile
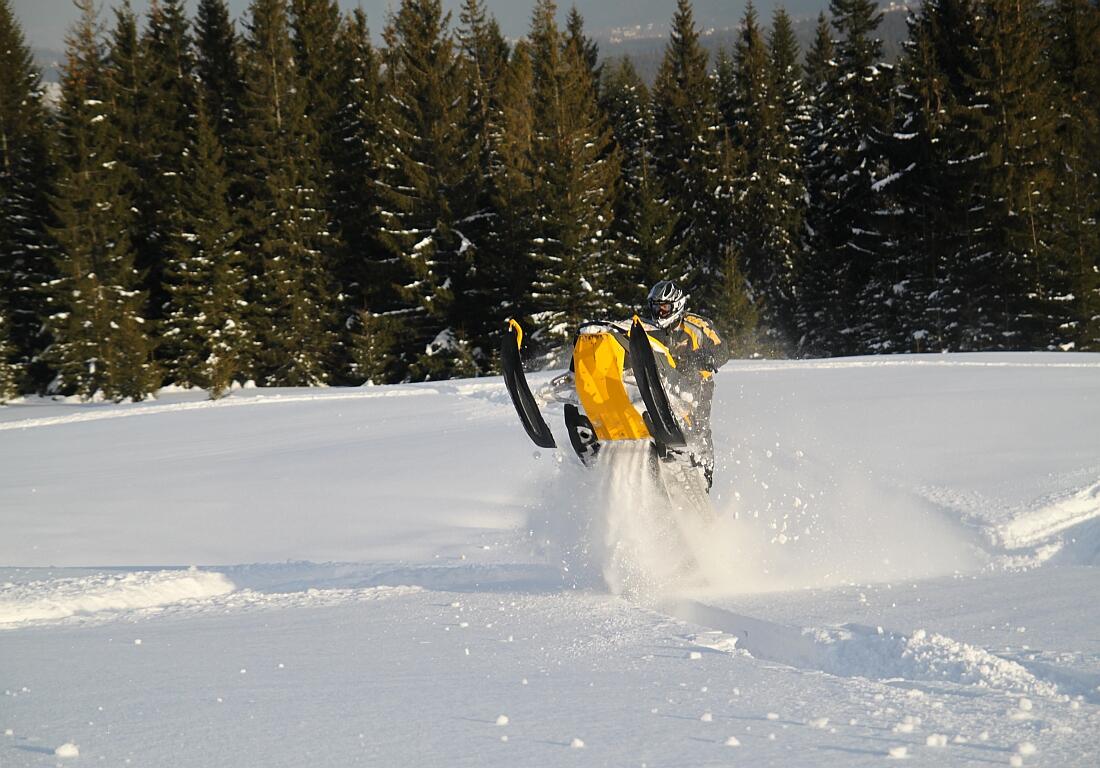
x: 621, y: 373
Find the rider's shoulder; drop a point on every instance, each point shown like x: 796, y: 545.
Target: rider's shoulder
x: 698, y: 320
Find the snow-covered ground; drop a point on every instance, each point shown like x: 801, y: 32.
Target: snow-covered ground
x: 902, y: 565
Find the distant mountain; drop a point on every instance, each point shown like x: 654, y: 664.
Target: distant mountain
x: 636, y: 28
x: 646, y: 45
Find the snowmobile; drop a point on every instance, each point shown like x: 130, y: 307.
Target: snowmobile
x: 616, y: 389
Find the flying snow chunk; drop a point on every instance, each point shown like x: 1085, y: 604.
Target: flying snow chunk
x: 502, y: 720
x: 707, y: 717
x: 898, y: 753
x: 576, y: 743
x: 936, y: 740
x: 1026, y: 748
x: 772, y: 716
x: 695, y: 655
x: 68, y: 749
x: 732, y: 742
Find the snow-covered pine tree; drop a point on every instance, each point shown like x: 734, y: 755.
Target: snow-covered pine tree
x: 792, y: 122
x: 9, y: 370
x: 315, y: 27
x: 813, y: 279
x: 26, y: 178
x: 484, y: 53
x: 165, y: 111
x: 686, y: 150
x: 220, y: 84
x: 849, y: 172
x: 1014, y: 290
x: 286, y: 238
x: 575, y: 173
x: 929, y: 192
x: 732, y: 306
x: 218, y: 69
x: 203, y: 335
x: 326, y: 54
x: 354, y: 201
x: 100, y: 343
x: 1074, y: 28
x: 758, y: 206
x: 421, y: 189
x: 510, y: 242
x: 644, y: 223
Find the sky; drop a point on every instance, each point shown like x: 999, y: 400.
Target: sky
x: 46, y: 21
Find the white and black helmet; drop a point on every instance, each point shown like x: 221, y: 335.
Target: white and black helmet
x: 667, y: 303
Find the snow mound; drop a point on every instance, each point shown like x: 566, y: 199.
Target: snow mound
x: 1043, y: 524
x: 68, y: 749
x: 859, y: 651
x: 924, y: 656
x: 61, y: 598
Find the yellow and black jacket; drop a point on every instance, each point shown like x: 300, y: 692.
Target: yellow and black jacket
x: 697, y: 347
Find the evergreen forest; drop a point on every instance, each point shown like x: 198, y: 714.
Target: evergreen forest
x: 289, y: 200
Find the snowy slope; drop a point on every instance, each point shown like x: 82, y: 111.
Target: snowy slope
x: 902, y: 565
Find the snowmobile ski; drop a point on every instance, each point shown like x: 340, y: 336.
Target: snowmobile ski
x: 519, y: 390
x: 659, y: 418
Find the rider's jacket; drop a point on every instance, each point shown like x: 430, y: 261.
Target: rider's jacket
x: 696, y: 346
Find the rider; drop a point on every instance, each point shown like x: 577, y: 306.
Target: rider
x: 699, y: 353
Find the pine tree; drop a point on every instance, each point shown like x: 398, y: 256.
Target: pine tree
x: 760, y: 207
x: 166, y: 108
x: 203, y: 334
x: 315, y: 26
x: 220, y: 86
x: 512, y: 181
x: 218, y: 69
x: 26, y: 176
x: 286, y: 231
x: 354, y: 201
x: 1012, y: 284
x: 1075, y: 61
x: 589, y: 49
x: 101, y: 344
x: 820, y: 66
x: 686, y: 150
x: 644, y: 224
x: 9, y: 370
x: 423, y: 210
x: 484, y: 55
x: 575, y: 173
x: 792, y: 122
x: 932, y: 176
x: 851, y: 161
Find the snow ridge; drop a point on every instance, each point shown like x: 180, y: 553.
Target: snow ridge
x: 61, y: 598
x: 859, y: 651
x: 1038, y: 525
x: 130, y: 596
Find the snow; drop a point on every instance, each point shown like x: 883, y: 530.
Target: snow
x: 901, y: 566
x: 68, y: 749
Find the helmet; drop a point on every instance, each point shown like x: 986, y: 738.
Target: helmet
x: 666, y: 304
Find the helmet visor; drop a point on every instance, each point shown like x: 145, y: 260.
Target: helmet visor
x: 661, y: 309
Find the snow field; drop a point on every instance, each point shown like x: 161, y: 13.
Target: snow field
x: 900, y: 568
